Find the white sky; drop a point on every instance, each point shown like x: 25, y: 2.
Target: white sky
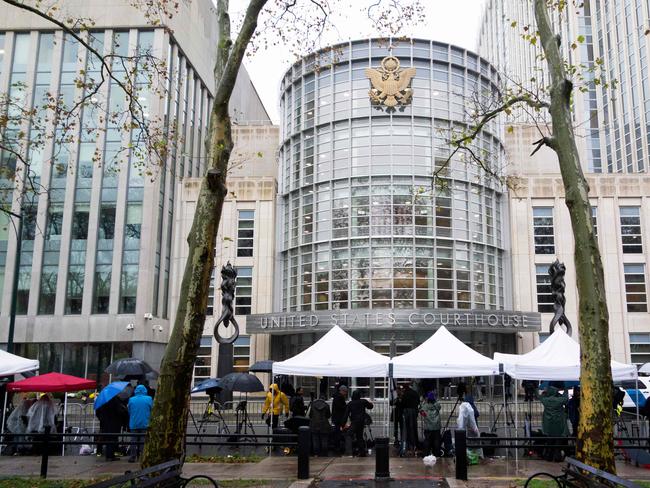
x: 453, y: 21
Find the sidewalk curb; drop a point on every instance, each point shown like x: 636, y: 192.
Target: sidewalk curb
x: 308, y: 483
x: 454, y: 483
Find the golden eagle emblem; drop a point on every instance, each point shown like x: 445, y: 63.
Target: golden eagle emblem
x: 390, y: 84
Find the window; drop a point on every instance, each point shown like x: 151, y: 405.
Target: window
x: 543, y: 336
x: 245, y: 232
x: 210, y: 307
x: 241, y: 354
x: 631, y: 230
x: 635, y: 292
x: 594, y: 219
x: 203, y: 363
x: 543, y: 230
x: 544, y: 295
x: 640, y: 348
x: 244, y: 291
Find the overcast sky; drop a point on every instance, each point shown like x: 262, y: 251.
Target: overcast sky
x: 453, y: 21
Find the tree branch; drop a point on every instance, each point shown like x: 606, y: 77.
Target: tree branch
x: 226, y: 81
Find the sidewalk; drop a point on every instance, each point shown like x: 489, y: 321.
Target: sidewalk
x: 492, y: 473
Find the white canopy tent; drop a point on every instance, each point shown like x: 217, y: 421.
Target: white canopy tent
x: 335, y: 354
x: 555, y: 359
x: 10, y: 364
x: 443, y: 355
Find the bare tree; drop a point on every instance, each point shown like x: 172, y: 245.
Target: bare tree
x: 595, y: 432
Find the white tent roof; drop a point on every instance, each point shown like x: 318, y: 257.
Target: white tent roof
x: 335, y: 354
x: 11, y: 364
x: 443, y: 355
x: 555, y: 359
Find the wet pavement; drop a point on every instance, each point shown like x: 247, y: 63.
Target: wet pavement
x: 328, y: 472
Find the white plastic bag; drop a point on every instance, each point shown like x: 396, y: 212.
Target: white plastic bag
x: 429, y: 460
x: 85, y: 450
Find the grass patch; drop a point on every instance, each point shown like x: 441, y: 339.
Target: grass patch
x: 242, y: 483
x: 230, y: 459
x: 538, y: 483
x: 39, y: 483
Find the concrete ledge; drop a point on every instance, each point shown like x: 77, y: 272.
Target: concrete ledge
x: 308, y: 483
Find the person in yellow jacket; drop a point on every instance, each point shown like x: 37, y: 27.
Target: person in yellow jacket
x: 280, y: 404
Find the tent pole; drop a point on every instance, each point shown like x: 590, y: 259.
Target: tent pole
x: 65, y: 413
x: 638, y: 425
x: 4, y: 410
x: 516, y: 424
x: 505, y: 409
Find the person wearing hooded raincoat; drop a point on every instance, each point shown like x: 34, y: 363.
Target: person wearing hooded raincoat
x: 140, y: 405
x: 276, y: 402
x: 17, y: 424
x: 319, y: 424
x: 430, y: 413
x: 554, y: 419
x: 42, y: 414
x: 467, y: 421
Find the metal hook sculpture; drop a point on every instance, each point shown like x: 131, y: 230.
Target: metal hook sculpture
x: 557, y: 271
x: 228, y: 284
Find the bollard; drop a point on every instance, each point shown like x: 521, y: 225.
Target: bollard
x: 304, y: 447
x: 382, y: 459
x: 460, y: 439
x: 45, y: 455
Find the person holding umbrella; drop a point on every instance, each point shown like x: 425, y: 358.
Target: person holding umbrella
x: 112, y: 415
x: 276, y: 402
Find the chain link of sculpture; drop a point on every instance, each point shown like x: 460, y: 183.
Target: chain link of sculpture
x: 228, y: 284
x: 557, y: 270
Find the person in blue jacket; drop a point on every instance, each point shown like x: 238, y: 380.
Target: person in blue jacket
x: 140, y: 405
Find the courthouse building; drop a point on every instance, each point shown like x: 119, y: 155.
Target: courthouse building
x: 373, y: 233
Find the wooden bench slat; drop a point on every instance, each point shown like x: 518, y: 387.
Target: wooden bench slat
x: 136, y: 475
x: 595, y: 472
x: 158, y: 480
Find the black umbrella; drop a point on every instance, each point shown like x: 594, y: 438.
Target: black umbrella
x: 133, y: 367
x: 265, y: 366
x: 243, y: 382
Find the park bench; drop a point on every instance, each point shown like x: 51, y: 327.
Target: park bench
x: 165, y: 475
x: 577, y: 474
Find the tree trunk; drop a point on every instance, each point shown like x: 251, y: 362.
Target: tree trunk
x: 595, y: 431
x: 166, y: 434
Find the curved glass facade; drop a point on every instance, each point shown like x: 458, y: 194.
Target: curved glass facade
x: 369, y: 217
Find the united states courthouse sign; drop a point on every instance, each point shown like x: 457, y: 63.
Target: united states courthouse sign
x: 397, y: 319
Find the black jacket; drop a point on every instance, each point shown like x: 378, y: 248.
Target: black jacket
x: 338, y: 410
x: 356, y: 409
x: 297, y: 406
x: 113, y: 415
x: 319, y: 415
x: 411, y: 399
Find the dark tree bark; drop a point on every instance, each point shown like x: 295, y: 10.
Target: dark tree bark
x: 595, y: 431
x: 170, y: 411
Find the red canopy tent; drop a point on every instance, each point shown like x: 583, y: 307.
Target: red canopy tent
x: 52, y: 382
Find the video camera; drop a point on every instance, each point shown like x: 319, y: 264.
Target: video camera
x: 530, y: 388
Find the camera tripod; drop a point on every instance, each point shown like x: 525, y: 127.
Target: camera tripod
x: 243, y: 425
x: 211, y: 414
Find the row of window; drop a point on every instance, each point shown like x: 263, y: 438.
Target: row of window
x: 635, y: 288
x: 203, y: 363
x: 630, y: 223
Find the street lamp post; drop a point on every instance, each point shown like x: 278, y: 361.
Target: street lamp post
x: 14, y: 286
